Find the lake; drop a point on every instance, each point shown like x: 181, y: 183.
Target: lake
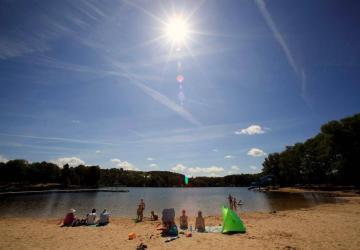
x: 209, y: 200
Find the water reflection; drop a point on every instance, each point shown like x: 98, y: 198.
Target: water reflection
x: 209, y: 200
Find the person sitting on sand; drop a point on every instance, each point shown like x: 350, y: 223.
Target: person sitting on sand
x: 183, y: 220
x: 70, y: 218
x: 154, y: 217
x: 169, y: 229
x: 139, y: 213
x: 104, y: 218
x: 91, y: 217
x: 200, y: 223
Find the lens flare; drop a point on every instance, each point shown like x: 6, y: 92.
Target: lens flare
x: 180, y: 78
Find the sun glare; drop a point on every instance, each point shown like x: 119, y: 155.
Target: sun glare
x: 177, y: 30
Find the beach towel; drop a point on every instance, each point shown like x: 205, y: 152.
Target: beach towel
x: 213, y: 229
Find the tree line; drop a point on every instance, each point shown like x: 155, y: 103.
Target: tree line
x: 23, y: 173
x: 330, y: 157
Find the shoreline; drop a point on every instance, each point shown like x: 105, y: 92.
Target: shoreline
x: 334, y: 193
x: 325, y: 226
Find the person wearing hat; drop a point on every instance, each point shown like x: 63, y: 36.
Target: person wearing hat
x: 69, y: 218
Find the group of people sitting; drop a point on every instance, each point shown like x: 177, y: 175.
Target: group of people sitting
x: 169, y: 227
x: 71, y: 220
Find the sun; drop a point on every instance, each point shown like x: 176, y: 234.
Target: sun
x: 177, y: 30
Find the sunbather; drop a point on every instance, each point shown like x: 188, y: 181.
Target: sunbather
x: 183, y: 221
x: 91, y: 217
x: 154, y: 216
x: 104, y: 218
x: 200, y: 223
x: 69, y: 218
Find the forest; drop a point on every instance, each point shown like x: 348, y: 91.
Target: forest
x: 331, y: 157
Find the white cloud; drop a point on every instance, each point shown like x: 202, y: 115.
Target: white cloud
x: 71, y: 161
x: 253, y: 167
x: 3, y: 159
x: 150, y: 159
x: 193, y: 171
x: 228, y: 157
x: 123, y: 164
x: 234, y: 167
x: 98, y: 151
x: 153, y: 165
x: 251, y: 130
x: 179, y: 168
x: 256, y: 152
x: 215, y: 150
x: 209, y: 170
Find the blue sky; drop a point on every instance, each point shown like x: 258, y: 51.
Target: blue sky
x: 94, y: 82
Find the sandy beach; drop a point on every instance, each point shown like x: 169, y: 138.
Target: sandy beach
x: 327, y: 226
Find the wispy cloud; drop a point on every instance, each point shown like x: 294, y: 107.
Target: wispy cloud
x: 164, y: 100
x: 284, y: 46
x: 59, y: 139
x: 228, y: 157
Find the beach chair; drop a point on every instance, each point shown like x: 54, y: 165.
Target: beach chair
x: 168, y: 220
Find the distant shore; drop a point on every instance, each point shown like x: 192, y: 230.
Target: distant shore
x: 326, y: 226
x: 54, y: 191
x: 335, y: 193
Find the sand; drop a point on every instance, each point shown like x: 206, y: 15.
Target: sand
x: 326, y: 226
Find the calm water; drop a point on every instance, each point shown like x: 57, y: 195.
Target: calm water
x: 209, y: 200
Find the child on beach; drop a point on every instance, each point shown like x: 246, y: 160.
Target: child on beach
x: 154, y: 217
x: 183, y: 220
x: 200, y: 223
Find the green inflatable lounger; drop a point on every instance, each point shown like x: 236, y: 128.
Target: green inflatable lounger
x: 232, y: 222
